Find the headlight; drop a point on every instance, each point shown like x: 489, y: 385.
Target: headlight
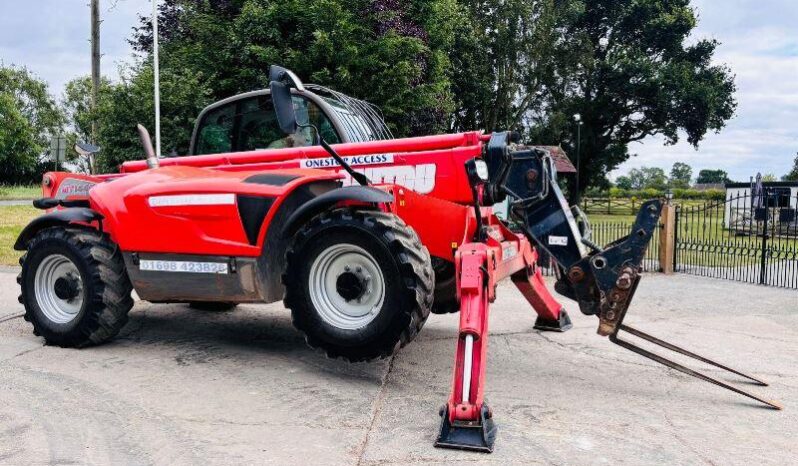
x: 477, y: 171
x: 482, y: 170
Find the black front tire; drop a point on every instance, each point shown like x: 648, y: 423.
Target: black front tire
x: 101, y: 280
x: 408, y: 283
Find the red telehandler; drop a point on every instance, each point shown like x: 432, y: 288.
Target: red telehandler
x: 360, y: 256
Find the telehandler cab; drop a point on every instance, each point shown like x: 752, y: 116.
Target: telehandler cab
x: 362, y: 239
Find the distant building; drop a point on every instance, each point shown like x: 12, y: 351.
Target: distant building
x: 561, y: 161
x: 747, y: 203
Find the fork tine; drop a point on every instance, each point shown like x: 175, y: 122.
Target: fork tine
x: 683, y: 351
x: 676, y: 366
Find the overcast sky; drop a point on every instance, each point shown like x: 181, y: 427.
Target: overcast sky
x: 759, y: 42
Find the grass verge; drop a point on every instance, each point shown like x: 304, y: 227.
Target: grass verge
x: 10, y: 193
x: 12, y: 220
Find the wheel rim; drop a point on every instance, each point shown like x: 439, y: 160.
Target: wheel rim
x: 346, y: 286
x: 59, y: 289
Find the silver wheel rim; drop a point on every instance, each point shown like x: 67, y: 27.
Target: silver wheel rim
x: 59, y: 309
x: 325, y: 274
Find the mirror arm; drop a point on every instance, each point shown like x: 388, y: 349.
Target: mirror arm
x: 359, y: 177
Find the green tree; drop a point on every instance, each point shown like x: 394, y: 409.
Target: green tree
x: 793, y: 174
x: 648, y: 178
x: 184, y: 94
x: 681, y: 175
x: 77, y: 108
x: 391, y: 53
x: 628, y: 68
x: 769, y: 177
x: 712, y: 177
x: 29, y: 117
x: 503, y: 55
x: 18, y: 146
x: 624, y: 182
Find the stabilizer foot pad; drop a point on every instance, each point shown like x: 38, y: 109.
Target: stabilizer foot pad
x: 560, y: 325
x: 478, y: 437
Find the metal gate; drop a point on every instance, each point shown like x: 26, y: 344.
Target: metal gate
x: 751, y: 236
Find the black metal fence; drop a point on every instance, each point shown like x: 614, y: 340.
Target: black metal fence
x: 747, y: 237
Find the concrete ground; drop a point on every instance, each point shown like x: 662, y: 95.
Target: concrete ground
x: 181, y: 386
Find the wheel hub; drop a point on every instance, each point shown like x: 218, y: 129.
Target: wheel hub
x: 59, y: 289
x: 67, y: 288
x: 350, y: 286
x: 346, y: 286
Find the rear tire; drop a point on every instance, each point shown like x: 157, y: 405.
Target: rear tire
x: 75, y: 288
x: 359, y: 283
x: 445, y: 287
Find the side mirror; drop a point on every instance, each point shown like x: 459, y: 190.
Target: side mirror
x: 284, y: 75
x: 280, y: 82
x: 283, y: 107
x: 86, y: 150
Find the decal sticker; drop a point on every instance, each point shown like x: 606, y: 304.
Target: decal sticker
x: 509, y: 252
x: 192, y: 199
x: 183, y: 266
x: 354, y: 161
x: 558, y: 241
x: 74, y: 187
x: 419, y: 178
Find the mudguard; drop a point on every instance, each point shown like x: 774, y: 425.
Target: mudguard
x: 58, y: 217
x: 365, y: 194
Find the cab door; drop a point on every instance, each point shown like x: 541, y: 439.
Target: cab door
x: 249, y: 123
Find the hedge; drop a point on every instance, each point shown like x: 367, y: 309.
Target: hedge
x: 708, y: 194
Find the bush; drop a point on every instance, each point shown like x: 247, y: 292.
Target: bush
x: 678, y: 193
x: 616, y: 193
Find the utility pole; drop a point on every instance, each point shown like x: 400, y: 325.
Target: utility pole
x: 578, y: 120
x: 157, y: 75
x: 95, y: 72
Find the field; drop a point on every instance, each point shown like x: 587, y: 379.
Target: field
x: 9, y: 192
x: 12, y: 220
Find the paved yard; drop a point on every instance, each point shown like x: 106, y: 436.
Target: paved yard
x: 181, y: 386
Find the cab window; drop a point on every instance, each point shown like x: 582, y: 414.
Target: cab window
x: 251, y: 124
x: 215, y: 134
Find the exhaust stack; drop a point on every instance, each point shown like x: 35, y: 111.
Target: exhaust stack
x: 149, y: 151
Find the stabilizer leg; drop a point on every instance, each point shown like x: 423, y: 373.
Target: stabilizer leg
x: 480, y: 437
x: 467, y: 422
x: 551, y: 315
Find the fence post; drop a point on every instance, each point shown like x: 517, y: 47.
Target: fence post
x: 763, y: 263
x: 667, y: 240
